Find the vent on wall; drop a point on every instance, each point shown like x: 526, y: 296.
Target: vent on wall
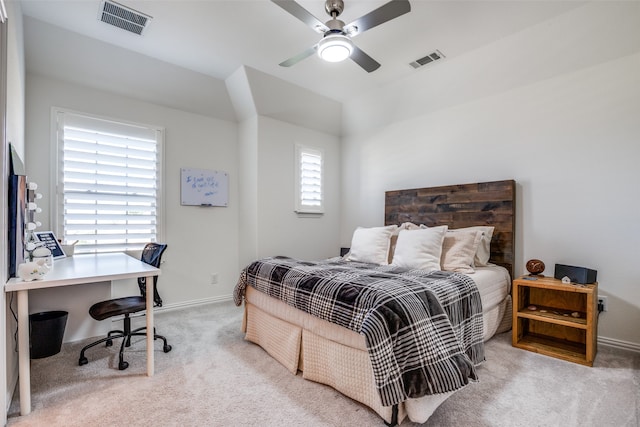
x: 432, y: 57
x: 120, y: 16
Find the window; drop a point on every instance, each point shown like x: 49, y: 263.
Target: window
x: 309, y: 180
x: 108, y: 181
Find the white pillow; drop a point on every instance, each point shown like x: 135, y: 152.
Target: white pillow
x: 459, y: 249
x: 371, y: 244
x: 394, y: 236
x: 484, y: 248
x: 419, y: 249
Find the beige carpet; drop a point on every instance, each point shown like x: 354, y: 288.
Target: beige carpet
x: 215, y: 378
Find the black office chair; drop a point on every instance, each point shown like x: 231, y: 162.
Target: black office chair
x: 151, y: 254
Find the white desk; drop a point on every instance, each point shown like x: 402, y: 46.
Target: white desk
x: 77, y: 270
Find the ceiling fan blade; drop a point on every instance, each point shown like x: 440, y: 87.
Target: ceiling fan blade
x: 302, y: 14
x: 299, y: 57
x: 384, y: 13
x: 365, y: 61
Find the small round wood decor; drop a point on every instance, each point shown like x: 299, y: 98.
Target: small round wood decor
x: 535, y: 267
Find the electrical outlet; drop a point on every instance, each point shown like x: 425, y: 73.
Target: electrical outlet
x: 602, y: 301
x: 214, y: 278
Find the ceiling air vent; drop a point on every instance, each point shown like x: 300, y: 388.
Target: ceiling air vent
x: 123, y: 17
x: 432, y: 57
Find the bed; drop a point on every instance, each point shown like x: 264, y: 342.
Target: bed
x: 337, y: 355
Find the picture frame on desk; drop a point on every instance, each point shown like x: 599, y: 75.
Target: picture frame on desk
x: 50, y: 241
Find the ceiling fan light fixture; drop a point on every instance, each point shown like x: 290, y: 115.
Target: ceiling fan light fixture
x: 335, y: 48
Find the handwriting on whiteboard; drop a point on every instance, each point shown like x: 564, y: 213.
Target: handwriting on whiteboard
x: 203, y: 184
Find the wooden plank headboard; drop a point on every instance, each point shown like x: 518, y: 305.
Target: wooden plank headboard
x: 486, y: 203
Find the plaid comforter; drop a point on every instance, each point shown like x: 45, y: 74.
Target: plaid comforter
x: 423, y: 330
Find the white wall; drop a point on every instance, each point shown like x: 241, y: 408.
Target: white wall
x: 200, y: 241
x: 15, y: 121
x: 69, y: 56
x: 15, y: 78
x: 248, y: 183
x: 545, y: 109
x: 280, y: 230
x: 268, y: 224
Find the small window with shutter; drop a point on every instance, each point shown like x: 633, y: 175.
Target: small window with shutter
x: 309, y: 180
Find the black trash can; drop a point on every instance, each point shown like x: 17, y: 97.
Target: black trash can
x: 46, y: 332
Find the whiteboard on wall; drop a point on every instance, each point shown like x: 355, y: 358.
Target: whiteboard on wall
x: 202, y: 187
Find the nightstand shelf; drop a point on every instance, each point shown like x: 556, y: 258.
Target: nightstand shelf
x: 552, y: 315
x: 555, y: 319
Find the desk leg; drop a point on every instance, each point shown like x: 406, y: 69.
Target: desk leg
x: 150, y: 360
x: 24, y: 358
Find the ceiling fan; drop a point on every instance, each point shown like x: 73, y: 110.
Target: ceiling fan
x: 336, y: 44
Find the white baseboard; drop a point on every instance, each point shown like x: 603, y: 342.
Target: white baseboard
x: 194, y: 303
x: 624, y: 345
x: 174, y: 306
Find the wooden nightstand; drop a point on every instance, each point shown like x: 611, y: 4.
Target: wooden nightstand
x: 556, y: 319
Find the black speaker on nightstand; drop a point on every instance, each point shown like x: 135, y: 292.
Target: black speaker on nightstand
x: 580, y: 275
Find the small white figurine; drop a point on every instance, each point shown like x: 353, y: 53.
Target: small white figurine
x: 33, y: 270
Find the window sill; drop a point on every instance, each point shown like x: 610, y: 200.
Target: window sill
x: 300, y: 214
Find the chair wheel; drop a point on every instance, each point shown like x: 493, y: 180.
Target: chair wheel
x: 166, y: 348
x: 123, y: 365
x: 108, y: 343
x: 83, y: 361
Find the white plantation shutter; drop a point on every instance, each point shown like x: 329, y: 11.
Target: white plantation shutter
x: 309, y: 197
x: 108, y: 183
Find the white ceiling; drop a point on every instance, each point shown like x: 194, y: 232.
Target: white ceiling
x: 216, y: 37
